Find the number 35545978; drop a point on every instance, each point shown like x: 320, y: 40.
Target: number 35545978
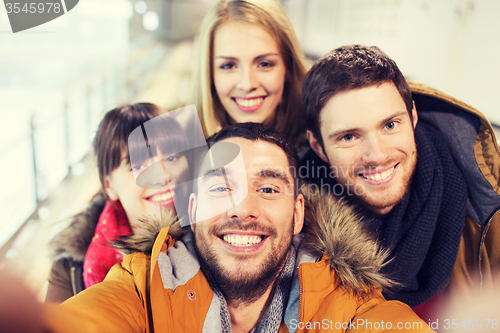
x: 40, y: 7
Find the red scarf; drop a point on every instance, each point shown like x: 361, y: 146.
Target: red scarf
x: 100, y: 256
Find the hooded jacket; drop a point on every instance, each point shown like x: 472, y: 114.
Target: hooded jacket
x: 473, y: 146
x: 159, y: 287
x: 67, y: 250
x: 475, y: 150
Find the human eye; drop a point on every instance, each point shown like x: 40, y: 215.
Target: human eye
x: 391, y: 125
x: 227, y: 65
x: 172, y: 158
x: 347, y: 137
x: 269, y: 191
x: 220, y: 190
x: 136, y: 167
x: 266, y: 64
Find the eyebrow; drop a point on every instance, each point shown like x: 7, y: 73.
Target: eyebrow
x: 357, y: 129
x: 269, y: 173
x: 219, y: 172
x: 256, y: 58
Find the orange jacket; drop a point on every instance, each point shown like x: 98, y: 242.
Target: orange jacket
x: 337, y: 286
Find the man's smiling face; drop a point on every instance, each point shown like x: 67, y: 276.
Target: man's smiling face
x: 246, y: 246
x: 369, y: 140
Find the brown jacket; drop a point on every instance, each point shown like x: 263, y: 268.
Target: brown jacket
x: 477, y: 267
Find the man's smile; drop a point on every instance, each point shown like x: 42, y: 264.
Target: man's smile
x: 380, y: 176
x: 242, y: 241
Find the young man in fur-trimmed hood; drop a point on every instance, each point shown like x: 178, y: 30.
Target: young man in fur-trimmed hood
x: 244, y: 262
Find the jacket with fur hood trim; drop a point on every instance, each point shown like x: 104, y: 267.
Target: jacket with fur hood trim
x: 159, y: 286
x: 67, y: 251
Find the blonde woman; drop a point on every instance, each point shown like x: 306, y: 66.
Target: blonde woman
x: 249, y: 68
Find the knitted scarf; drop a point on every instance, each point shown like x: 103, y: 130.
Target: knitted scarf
x: 424, y: 230
x: 273, y: 316
x: 100, y: 257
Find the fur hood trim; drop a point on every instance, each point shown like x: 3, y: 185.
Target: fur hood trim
x: 145, y: 235
x: 335, y: 230
x: 332, y: 230
x: 73, y: 241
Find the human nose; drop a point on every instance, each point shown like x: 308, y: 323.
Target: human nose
x: 248, y: 209
x: 248, y: 80
x: 375, y: 150
x: 157, y: 175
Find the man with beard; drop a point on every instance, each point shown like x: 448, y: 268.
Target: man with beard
x: 243, y: 263
x: 438, y: 212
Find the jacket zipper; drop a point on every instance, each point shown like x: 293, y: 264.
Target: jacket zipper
x: 301, y: 307
x: 73, y: 280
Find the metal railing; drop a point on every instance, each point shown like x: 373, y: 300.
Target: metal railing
x: 71, y: 127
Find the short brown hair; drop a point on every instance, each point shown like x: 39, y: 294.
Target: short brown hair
x: 347, y: 68
x: 254, y: 132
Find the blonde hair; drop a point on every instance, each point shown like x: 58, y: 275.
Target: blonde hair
x: 269, y: 15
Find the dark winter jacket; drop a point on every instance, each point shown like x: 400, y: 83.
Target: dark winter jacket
x: 68, y: 249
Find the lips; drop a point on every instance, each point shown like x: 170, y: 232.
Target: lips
x: 381, y: 176
x: 249, y: 104
x: 242, y: 242
x: 165, y: 198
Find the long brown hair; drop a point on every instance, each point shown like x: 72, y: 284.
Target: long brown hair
x: 269, y: 15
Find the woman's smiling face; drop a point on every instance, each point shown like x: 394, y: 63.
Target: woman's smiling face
x: 248, y: 72
x: 163, y: 188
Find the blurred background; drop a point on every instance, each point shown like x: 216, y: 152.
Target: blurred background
x: 58, y: 79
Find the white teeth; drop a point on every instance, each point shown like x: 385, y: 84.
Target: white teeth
x: 379, y: 176
x: 239, y: 240
x: 162, y: 197
x: 248, y: 103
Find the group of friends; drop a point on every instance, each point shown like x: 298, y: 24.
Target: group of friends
x: 354, y: 201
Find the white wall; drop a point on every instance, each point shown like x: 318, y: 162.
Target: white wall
x: 451, y: 45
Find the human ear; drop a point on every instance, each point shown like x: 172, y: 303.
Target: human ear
x: 414, y: 115
x: 108, y: 187
x: 192, y: 210
x: 316, y: 146
x: 298, y: 214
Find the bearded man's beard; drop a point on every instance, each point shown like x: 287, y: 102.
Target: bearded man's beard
x: 240, y: 287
